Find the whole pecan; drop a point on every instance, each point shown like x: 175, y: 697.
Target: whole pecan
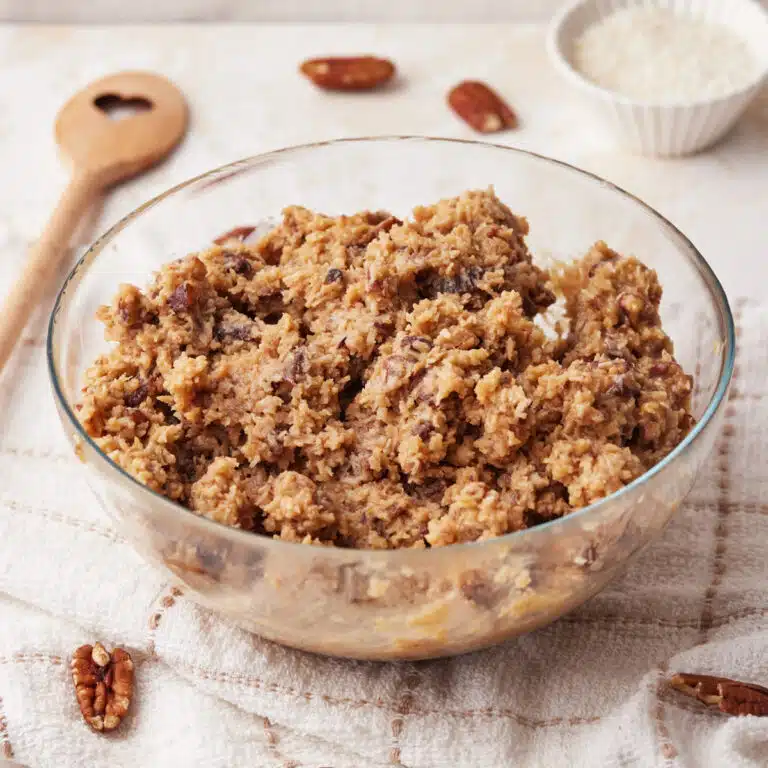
x: 480, y: 107
x: 348, y: 73
x: 103, y: 685
x: 729, y: 696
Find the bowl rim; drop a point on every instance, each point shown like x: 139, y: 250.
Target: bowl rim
x: 699, y: 262
x: 554, y: 45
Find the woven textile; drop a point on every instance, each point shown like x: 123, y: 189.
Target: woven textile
x: 587, y: 691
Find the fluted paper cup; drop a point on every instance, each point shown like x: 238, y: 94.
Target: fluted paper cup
x: 664, y: 129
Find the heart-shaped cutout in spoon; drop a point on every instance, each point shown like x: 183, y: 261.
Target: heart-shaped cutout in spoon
x: 116, y: 107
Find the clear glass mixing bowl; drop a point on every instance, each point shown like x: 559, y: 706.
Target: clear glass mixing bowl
x: 407, y: 603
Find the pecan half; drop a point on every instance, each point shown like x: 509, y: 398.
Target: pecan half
x: 729, y: 696
x: 480, y: 107
x: 103, y: 685
x: 348, y: 73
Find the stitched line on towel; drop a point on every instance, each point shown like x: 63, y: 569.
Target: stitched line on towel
x: 168, y: 600
x: 403, y: 706
x: 668, y: 749
x: 30, y: 658
x: 272, y: 741
x: 748, y: 508
x: 737, y: 394
x: 697, y: 371
x: 56, y: 517
x: 491, y: 712
x: 5, y: 739
x: 723, y: 507
x: 33, y: 453
x: 616, y: 620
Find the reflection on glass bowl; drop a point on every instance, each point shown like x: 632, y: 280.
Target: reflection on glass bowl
x: 401, y: 603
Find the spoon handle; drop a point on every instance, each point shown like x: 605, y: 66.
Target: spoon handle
x: 43, y: 261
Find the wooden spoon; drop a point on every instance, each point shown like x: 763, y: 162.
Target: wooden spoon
x: 102, y: 152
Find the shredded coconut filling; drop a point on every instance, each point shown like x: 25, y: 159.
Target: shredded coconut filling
x: 366, y: 382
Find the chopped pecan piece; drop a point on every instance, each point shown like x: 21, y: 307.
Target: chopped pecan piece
x: 387, y: 224
x: 729, y: 696
x: 296, y: 366
x: 138, y: 418
x: 238, y: 264
x: 181, y: 298
x: 417, y: 343
x: 631, y: 306
x: 479, y: 589
x: 130, y: 308
x: 623, y: 385
x: 376, y: 217
x: 462, y: 282
x: 236, y: 326
x: 380, y: 226
x: 236, y: 332
x: 103, y: 685
x: 423, y: 430
x: 238, y: 233
x: 137, y: 397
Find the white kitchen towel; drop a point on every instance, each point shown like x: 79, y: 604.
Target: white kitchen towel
x: 587, y: 691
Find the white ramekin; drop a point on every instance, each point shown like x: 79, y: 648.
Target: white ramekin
x: 663, y: 129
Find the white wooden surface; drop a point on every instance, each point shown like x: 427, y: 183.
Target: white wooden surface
x: 247, y: 97
x: 112, y: 11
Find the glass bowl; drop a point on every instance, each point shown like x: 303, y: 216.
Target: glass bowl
x: 404, y: 603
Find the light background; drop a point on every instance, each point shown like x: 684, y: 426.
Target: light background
x: 112, y: 11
